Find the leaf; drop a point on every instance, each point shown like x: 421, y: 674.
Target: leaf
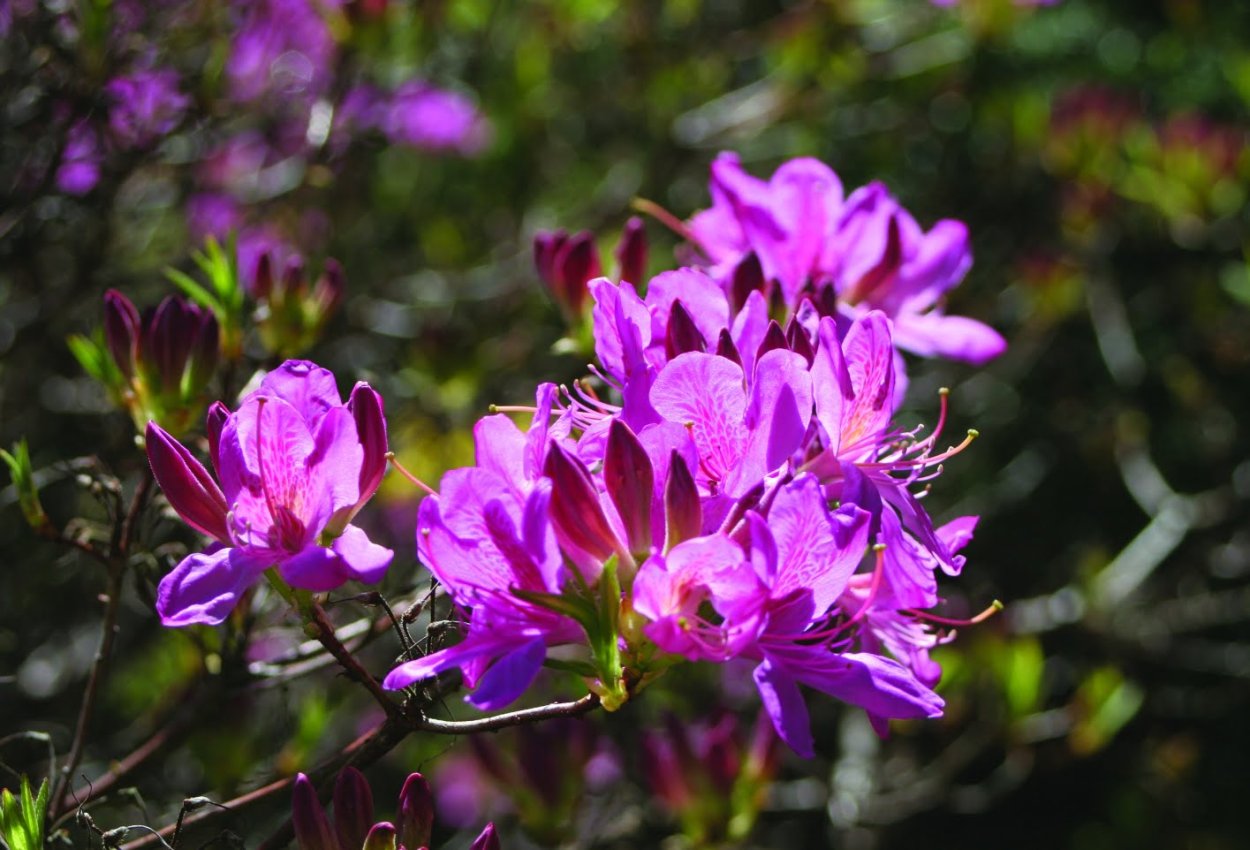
x: 22, y: 816
x: 194, y: 291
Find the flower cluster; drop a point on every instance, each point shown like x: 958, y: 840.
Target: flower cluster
x: 295, y: 465
x: 742, y: 493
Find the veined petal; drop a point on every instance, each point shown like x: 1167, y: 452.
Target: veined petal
x: 776, y: 418
x: 818, y: 550
x: 704, y: 393
x: 880, y: 685
x: 205, y: 587
x: 337, y: 458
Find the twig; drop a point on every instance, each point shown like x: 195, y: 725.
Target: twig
x: 117, y: 562
x: 513, y: 718
x: 325, y: 634
x: 105, y: 650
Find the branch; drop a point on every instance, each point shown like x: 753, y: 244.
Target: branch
x: 117, y: 561
x: 105, y: 650
x: 325, y: 634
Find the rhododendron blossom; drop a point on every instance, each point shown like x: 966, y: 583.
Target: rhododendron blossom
x: 295, y: 466
x: 738, y: 492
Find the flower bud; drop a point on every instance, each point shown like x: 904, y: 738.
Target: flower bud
x: 798, y: 341
x: 682, y: 511
x: 631, y: 252
x: 191, y: 491
x: 682, y: 334
x: 774, y: 338
x: 488, y: 840
x: 748, y: 277
x: 214, y: 421
x: 629, y: 481
x: 416, y: 812
x: 366, y: 407
x: 726, y: 348
x: 565, y: 264
x: 312, y: 828
x: 575, y: 510
x: 381, y: 837
x: 121, y: 330
x: 547, y: 244
x: 353, y: 809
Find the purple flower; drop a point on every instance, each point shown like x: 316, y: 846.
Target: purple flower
x: 434, y: 119
x: 295, y: 465
x: 212, y: 214
x: 487, y: 534
x: 144, y: 106
x: 282, y: 48
x: 79, y: 170
x: 847, y: 257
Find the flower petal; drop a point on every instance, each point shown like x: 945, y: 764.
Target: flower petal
x: 205, y: 587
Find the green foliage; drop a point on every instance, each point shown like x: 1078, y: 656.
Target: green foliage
x: 23, y: 475
x: 22, y: 816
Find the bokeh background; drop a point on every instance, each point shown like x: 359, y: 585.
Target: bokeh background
x: 1097, y: 151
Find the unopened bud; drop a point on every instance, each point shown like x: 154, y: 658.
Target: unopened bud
x: 353, y: 808
x: 631, y: 252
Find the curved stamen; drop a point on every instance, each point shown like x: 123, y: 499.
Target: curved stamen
x: 402, y: 470
x: 993, y: 609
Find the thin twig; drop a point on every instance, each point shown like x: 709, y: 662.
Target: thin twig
x: 513, y: 718
x: 325, y: 634
x: 117, y: 561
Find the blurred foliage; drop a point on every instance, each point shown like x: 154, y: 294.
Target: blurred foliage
x: 1097, y: 149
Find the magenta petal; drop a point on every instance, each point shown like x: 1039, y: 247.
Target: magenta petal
x: 205, y: 587
x: 703, y: 298
x: 776, y: 418
x: 818, y: 551
x: 941, y: 260
x: 704, y: 393
x: 956, y: 337
x: 316, y: 568
x: 366, y: 408
x: 305, y: 386
x: 338, y: 457
x: 365, y: 560
x: 508, y: 677
x: 784, y: 703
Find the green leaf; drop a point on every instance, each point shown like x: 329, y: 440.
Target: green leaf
x: 193, y: 290
x: 22, y: 816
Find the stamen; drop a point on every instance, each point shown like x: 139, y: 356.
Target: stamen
x: 399, y: 467
x: 511, y: 408
x: 994, y: 608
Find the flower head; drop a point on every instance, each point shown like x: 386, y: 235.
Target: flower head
x: 295, y: 465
